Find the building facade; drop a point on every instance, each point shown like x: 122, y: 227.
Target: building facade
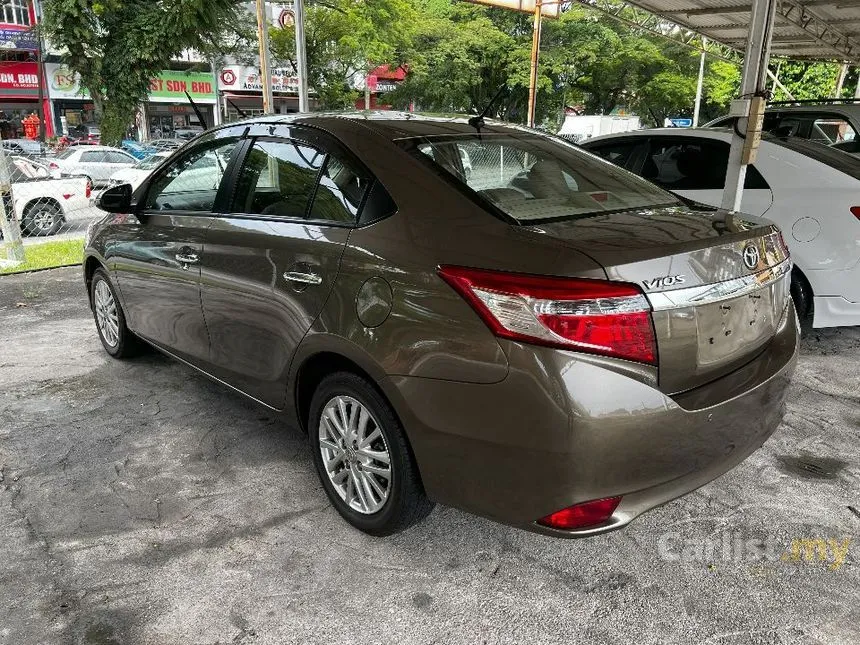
x: 22, y: 87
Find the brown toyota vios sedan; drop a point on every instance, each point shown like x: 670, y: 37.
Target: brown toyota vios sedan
x: 473, y: 314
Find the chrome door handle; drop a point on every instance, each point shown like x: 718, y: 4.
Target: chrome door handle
x: 304, y: 278
x: 187, y: 258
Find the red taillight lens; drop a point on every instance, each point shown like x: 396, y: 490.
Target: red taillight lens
x: 89, y: 188
x: 595, y: 316
x: 582, y: 515
x: 855, y: 211
x: 53, y: 166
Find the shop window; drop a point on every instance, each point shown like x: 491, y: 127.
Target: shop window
x: 16, y: 12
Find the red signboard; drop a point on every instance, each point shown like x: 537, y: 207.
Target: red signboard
x: 19, y: 78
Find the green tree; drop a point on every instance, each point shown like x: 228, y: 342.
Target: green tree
x: 344, y: 40
x: 118, y: 46
x: 807, y: 80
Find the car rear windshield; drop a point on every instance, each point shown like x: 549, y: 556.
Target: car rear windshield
x: 532, y: 178
x: 835, y: 158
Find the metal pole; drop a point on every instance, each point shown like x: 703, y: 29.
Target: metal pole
x: 263, y: 39
x: 699, y: 83
x: 216, y: 107
x: 366, y: 93
x: 534, y: 65
x: 9, y: 224
x: 40, y: 62
x: 301, y: 56
x: 752, y: 84
x: 840, y: 81
x: 778, y: 84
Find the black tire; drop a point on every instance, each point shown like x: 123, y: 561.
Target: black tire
x: 407, y: 503
x: 126, y: 344
x: 42, y: 218
x: 801, y: 293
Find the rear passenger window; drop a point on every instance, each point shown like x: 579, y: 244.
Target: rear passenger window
x: 688, y: 165
x: 278, y: 178
x: 618, y: 153
x: 295, y: 180
x: 340, y: 192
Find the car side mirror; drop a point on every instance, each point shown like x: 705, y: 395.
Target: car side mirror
x: 116, y: 199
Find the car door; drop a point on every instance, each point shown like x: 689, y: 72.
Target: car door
x: 117, y: 160
x: 270, y: 264
x: 93, y: 164
x: 695, y: 168
x: 156, y: 255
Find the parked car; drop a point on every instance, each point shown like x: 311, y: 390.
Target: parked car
x: 826, y: 122
x: 136, y: 149
x: 139, y: 171
x: 811, y: 191
x: 97, y: 163
x: 163, y: 145
x: 86, y: 132
x: 550, y: 342
x: 26, y: 148
x: 43, y: 204
x: 188, y: 132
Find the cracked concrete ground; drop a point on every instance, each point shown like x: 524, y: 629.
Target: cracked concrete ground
x: 141, y: 503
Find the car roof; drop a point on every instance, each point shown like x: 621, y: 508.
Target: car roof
x: 87, y: 148
x: 394, y: 125
x: 704, y: 133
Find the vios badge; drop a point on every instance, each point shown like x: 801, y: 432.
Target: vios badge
x: 667, y: 281
x: 751, y: 256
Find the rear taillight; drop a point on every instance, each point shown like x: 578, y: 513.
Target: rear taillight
x: 89, y: 190
x: 53, y: 166
x: 582, y: 515
x: 855, y: 211
x: 594, y: 316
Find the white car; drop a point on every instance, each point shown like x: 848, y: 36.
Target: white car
x: 96, y: 162
x: 139, y: 171
x: 811, y: 191
x: 43, y: 204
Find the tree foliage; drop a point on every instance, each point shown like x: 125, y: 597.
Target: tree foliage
x: 118, y: 46
x: 344, y: 40
x: 459, y: 55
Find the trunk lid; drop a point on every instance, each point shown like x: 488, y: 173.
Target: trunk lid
x: 718, y: 282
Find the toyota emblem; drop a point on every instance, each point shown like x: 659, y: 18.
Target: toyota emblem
x: 751, y: 256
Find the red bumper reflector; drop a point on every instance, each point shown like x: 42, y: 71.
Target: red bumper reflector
x: 582, y: 515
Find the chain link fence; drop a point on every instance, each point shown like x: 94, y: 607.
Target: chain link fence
x: 50, y: 195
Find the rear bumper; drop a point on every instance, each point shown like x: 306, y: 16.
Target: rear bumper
x: 836, y: 297
x: 563, y: 429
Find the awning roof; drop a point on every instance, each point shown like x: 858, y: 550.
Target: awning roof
x: 803, y: 29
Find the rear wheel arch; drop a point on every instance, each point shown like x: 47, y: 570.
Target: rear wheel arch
x: 314, y: 368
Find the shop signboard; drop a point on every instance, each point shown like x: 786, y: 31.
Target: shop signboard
x: 17, y: 38
x: 171, y: 86
x: 63, y: 83
x: 239, y: 78
x: 168, y: 87
x: 19, y: 80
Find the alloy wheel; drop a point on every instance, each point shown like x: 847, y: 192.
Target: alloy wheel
x: 355, y: 454
x: 106, y: 313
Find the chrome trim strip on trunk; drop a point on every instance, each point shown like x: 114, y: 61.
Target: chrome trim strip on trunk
x: 719, y: 291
